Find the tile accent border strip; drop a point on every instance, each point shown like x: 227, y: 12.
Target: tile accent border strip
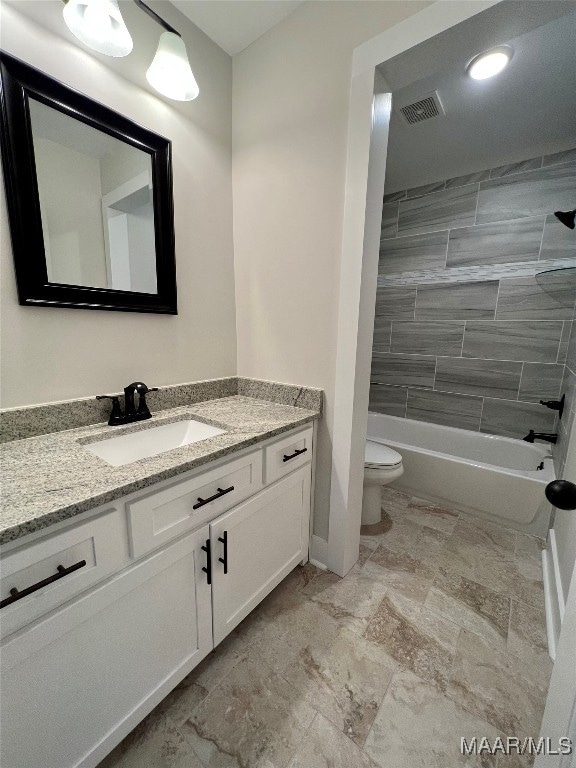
x: 30, y: 421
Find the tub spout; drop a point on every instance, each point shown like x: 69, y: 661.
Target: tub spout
x: 551, y: 437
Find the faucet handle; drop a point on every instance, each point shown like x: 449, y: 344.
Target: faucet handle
x: 116, y: 415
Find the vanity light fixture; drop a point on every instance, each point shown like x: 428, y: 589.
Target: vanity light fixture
x: 489, y: 63
x: 99, y: 25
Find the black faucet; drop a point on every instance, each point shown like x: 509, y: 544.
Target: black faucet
x: 551, y: 437
x: 131, y: 413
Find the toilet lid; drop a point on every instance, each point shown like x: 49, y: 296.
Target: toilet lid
x: 378, y: 455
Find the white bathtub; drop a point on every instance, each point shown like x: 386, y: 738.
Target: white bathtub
x: 494, y: 477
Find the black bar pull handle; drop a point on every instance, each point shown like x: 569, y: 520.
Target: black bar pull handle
x: 219, y: 493
x: 17, y: 594
x: 208, y: 567
x: 224, y: 560
x: 293, y: 455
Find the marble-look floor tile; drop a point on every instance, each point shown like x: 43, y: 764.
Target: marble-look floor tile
x: 496, y: 686
x: 324, y: 746
x: 471, y: 606
x: 155, y: 743
x: 353, y: 599
x: 253, y: 718
x: 419, y: 727
x: 528, y: 640
x: 431, y: 515
x: 400, y: 571
x: 416, y: 638
x: 394, y: 503
x: 345, y: 678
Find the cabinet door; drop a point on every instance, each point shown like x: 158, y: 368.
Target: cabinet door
x: 76, y: 683
x: 260, y: 541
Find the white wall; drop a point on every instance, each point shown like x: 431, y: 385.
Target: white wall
x: 290, y: 113
x: 71, y: 204
x: 57, y: 354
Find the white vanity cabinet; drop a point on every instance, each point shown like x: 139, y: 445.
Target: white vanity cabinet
x: 79, y: 675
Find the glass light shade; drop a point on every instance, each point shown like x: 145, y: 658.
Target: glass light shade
x: 99, y: 25
x: 170, y: 73
x: 490, y: 63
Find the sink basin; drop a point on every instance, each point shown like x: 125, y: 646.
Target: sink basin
x: 150, y: 442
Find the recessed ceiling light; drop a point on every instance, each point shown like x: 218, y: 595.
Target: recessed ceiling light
x: 489, y: 63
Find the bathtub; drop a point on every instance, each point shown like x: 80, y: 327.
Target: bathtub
x: 493, y: 477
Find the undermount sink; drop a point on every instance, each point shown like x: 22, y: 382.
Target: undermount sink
x: 150, y: 442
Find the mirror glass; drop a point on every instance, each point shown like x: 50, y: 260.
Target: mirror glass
x: 96, y: 205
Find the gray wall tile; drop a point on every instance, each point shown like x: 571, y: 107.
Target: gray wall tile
x: 389, y: 400
x: 571, y: 354
x: 427, y: 338
x: 405, y: 254
x: 525, y: 298
x: 441, y: 210
x: 558, y: 242
x: 460, y: 411
x: 457, y: 301
x: 470, y: 178
x: 514, y: 419
x: 512, y: 168
x: 564, y: 340
x: 540, y: 381
x: 530, y: 341
x: 396, y: 303
x: 495, y: 378
x: 569, y: 155
x: 426, y: 189
x: 389, y: 225
x: 534, y: 193
x: 499, y: 243
x: 393, y: 197
x: 403, y: 370
x: 382, y: 331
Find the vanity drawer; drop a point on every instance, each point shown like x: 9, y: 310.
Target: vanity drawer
x: 78, y: 557
x: 287, y: 454
x: 162, y: 515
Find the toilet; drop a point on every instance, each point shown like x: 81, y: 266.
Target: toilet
x: 382, y: 465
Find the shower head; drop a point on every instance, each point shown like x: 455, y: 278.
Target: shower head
x: 567, y: 218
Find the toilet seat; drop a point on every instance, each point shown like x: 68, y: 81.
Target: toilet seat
x: 379, y: 456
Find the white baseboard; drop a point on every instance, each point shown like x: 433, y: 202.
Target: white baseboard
x: 554, y: 601
x: 319, y: 552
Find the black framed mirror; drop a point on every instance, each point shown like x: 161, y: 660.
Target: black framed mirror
x: 89, y: 197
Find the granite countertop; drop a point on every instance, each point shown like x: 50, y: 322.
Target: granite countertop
x: 50, y: 477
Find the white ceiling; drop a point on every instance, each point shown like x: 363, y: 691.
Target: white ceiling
x: 234, y: 24
x: 527, y: 110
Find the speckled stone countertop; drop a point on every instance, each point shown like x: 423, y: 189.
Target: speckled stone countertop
x: 50, y: 477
